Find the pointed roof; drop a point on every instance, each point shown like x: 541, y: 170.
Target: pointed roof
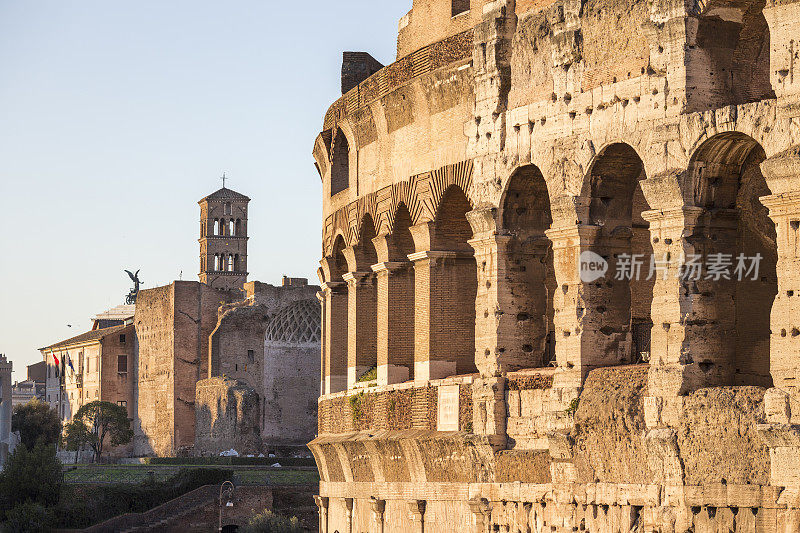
x: 225, y: 194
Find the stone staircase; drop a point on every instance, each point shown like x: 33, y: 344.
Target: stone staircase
x: 157, y: 518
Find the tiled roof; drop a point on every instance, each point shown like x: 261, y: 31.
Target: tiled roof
x: 94, y: 335
x: 225, y: 194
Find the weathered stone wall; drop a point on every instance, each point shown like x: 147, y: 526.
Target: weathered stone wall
x: 269, y: 342
x: 173, y: 324
x: 621, y: 129
x: 227, y: 415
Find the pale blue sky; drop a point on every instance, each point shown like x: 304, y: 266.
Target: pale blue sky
x: 117, y: 116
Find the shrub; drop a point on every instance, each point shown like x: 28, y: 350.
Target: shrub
x: 269, y: 522
x: 232, y: 461
x: 83, y: 505
x: 27, y: 517
x: 31, y: 475
x: 36, y: 421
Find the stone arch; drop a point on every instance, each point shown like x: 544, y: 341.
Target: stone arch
x: 335, y: 349
x: 452, y: 229
x: 453, y: 280
x: 732, y: 51
x: 525, y: 255
x: 726, y: 183
x: 623, y: 298
x: 340, y: 162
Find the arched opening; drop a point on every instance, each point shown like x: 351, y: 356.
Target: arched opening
x: 395, y: 281
x: 231, y: 227
x: 624, y: 297
x: 737, y: 238
x: 216, y: 263
x: 336, y: 321
x: 732, y: 52
x: 340, y: 163
x: 458, y: 7
x: 238, y: 232
x: 227, y: 210
x: 236, y: 263
x: 216, y: 226
x: 454, y: 280
x: 529, y: 269
x: 363, y: 301
x: 230, y: 263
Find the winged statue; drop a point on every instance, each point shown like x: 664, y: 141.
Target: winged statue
x: 131, y: 298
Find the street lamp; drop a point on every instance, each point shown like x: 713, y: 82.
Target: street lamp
x: 226, y: 490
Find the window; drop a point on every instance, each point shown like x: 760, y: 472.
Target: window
x: 340, y: 166
x: 216, y: 226
x: 228, y: 209
x: 122, y: 364
x: 237, y: 367
x: 122, y: 339
x: 460, y: 6
x: 231, y: 227
x: 251, y: 356
x: 122, y: 403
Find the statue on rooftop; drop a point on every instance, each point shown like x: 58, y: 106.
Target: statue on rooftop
x: 131, y: 298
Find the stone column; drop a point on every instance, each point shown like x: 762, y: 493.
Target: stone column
x: 416, y: 513
x: 489, y: 410
x: 361, y: 324
x: 335, y: 341
x: 580, y: 346
x: 395, y: 324
x: 784, y: 210
x: 693, y: 319
x: 5, y: 407
x: 322, y: 505
x: 511, y: 304
x: 481, y: 513
x: 378, y: 507
x: 348, y: 504
x: 784, y: 65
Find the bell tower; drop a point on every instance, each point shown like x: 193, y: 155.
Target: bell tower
x: 223, y: 239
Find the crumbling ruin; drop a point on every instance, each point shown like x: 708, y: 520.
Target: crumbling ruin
x: 484, y: 365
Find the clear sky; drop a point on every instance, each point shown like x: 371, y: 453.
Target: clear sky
x: 116, y: 117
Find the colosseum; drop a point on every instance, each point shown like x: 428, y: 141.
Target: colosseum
x: 560, y: 285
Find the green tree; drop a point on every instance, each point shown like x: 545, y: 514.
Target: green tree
x: 31, y: 476
x: 76, y: 436
x: 105, y: 420
x: 27, y: 517
x: 36, y: 420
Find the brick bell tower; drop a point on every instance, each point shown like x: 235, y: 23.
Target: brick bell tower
x: 223, y: 239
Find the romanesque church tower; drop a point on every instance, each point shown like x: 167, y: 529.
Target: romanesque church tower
x: 223, y: 239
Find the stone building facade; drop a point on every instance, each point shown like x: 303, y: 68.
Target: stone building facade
x: 6, y: 367
x: 223, y: 239
x: 173, y: 324
x: 483, y: 197
x: 224, y: 363
x: 101, y: 369
x: 262, y: 385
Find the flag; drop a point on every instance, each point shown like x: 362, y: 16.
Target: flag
x: 55, y: 358
x: 69, y: 362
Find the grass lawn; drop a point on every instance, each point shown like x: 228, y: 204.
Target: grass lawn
x: 245, y: 475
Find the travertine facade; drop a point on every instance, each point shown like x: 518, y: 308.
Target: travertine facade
x: 463, y: 187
